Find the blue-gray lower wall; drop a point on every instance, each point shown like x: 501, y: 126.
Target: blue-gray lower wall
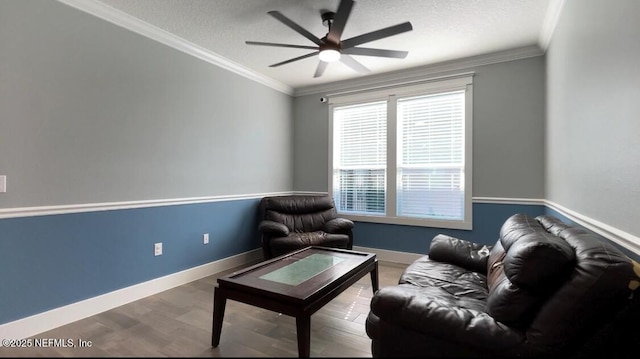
x: 487, y: 220
x: 55, y: 260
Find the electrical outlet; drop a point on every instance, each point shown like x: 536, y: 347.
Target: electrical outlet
x: 205, y: 238
x: 157, y: 249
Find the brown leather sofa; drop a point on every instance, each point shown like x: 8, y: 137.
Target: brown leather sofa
x: 544, y: 289
x: 292, y: 222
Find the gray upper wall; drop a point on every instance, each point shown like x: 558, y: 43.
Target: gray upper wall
x: 593, y: 102
x: 91, y: 112
x: 508, y: 132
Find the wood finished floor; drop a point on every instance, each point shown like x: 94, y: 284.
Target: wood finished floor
x: 177, y: 323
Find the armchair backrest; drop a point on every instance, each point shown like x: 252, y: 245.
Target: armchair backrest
x: 300, y: 213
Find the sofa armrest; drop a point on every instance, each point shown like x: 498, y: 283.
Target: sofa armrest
x: 469, y: 255
x: 410, y: 308
x: 273, y: 228
x: 338, y: 225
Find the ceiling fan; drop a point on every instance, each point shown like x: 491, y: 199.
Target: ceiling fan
x: 331, y: 48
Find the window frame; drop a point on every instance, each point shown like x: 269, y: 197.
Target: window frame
x: 391, y: 94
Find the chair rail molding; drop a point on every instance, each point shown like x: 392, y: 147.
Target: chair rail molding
x: 625, y: 239
x: 110, y: 206
x: 504, y: 200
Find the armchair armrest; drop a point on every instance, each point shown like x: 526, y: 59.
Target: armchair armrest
x: 462, y: 253
x: 338, y: 225
x: 273, y: 228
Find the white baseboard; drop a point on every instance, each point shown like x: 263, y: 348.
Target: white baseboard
x: 42, y: 322
x: 391, y: 256
x: 45, y: 321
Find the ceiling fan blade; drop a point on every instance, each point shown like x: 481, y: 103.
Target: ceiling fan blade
x: 376, y: 35
x: 322, y: 65
x: 299, y: 29
x: 295, y: 59
x: 339, y: 21
x: 280, y: 45
x: 354, y: 64
x: 366, y: 51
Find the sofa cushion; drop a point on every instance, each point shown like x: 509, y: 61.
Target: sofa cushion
x: 448, y: 281
x: 443, y: 319
x: 524, y: 266
x: 460, y: 252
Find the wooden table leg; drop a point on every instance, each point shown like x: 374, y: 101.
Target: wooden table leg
x: 303, y: 328
x: 374, y: 278
x: 219, y: 303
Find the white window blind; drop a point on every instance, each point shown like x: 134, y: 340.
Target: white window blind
x: 360, y: 158
x: 402, y: 154
x: 430, y: 160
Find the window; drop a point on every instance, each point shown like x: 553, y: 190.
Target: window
x: 403, y: 155
x: 360, y: 158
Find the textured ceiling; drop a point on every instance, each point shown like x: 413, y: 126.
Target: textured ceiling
x: 442, y: 30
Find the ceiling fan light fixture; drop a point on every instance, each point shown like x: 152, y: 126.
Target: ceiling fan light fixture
x: 330, y: 47
x: 329, y: 55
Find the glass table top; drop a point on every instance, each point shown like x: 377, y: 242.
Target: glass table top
x: 302, y: 270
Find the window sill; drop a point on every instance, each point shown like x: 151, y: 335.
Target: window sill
x: 446, y: 224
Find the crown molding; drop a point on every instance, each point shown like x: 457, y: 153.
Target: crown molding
x: 416, y: 74
x: 131, y: 23
x: 550, y: 22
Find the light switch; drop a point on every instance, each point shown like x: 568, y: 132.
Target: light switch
x: 3, y: 184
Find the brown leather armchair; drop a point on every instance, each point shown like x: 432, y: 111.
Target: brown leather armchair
x: 292, y: 222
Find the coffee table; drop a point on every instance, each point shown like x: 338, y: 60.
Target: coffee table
x: 296, y: 284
